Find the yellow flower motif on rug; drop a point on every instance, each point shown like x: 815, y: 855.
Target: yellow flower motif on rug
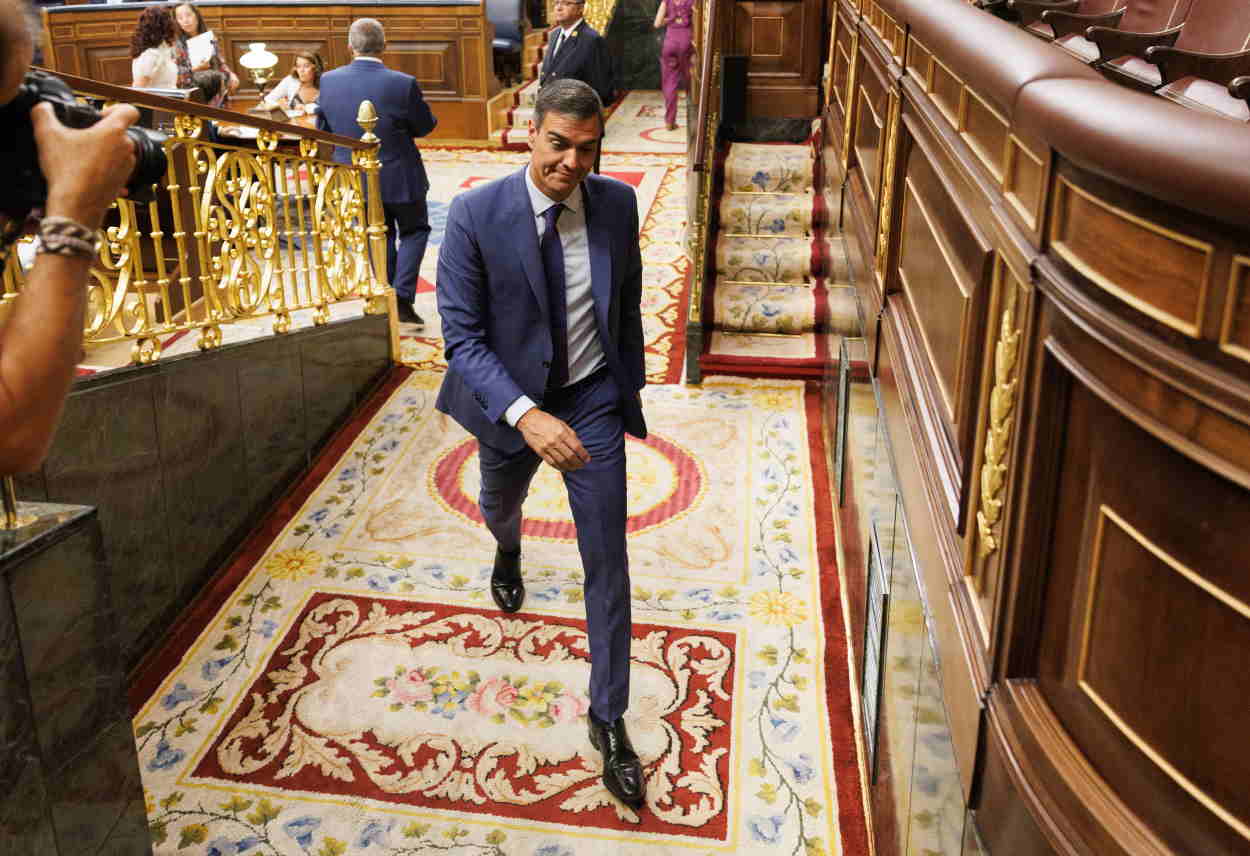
x: 781, y: 608
x: 774, y: 398
x: 294, y: 564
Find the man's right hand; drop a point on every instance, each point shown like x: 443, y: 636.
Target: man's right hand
x: 553, y: 440
x: 86, y: 169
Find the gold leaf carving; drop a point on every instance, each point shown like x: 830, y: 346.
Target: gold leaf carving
x: 887, y: 184
x: 998, y: 432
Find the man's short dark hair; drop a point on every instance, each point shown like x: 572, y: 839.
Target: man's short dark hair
x: 568, y: 97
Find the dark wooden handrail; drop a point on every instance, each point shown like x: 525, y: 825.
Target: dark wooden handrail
x: 699, y: 161
x: 126, y: 95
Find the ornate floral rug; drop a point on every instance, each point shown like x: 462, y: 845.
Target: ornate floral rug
x: 637, y: 125
x: 347, y: 687
x: 660, y: 182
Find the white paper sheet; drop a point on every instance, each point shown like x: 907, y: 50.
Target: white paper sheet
x: 200, y: 48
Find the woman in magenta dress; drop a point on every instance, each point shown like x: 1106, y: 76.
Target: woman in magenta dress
x: 676, y: 53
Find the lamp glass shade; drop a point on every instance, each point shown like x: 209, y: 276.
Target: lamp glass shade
x: 257, y: 58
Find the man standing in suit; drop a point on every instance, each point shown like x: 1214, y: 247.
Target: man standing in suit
x: 540, y: 289
x: 576, y: 50
x: 402, y: 115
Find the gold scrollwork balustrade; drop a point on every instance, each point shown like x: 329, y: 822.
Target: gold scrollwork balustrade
x: 233, y: 232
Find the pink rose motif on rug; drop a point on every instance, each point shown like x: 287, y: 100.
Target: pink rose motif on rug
x: 437, y: 706
x: 664, y: 482
x: 539, y: 704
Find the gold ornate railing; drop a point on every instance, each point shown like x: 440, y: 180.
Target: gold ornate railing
x: 250, y: 229
x: 706, y: 89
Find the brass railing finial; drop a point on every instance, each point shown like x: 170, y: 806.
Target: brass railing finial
x: 13, y: 518
x: 366, y: 118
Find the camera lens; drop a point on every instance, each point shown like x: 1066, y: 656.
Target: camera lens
x: 150, y: 163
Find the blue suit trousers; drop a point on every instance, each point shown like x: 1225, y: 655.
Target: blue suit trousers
x: 597, y: 498
x: 410, y: 223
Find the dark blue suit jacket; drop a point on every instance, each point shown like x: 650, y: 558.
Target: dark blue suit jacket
x: 584, y: 56
x: 402, y: 115
x: 492, y: 296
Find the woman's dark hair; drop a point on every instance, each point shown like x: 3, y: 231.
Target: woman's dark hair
x: 317, y: 64
x: 199, y: 20
x: 155, y: 28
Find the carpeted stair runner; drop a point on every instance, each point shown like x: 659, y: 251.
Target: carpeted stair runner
x: 513, y: 134
x: 779, y: 293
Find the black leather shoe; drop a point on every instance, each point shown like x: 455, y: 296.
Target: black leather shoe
x: 506, y: 585
x: 408, y: 315
x: 622, y: 771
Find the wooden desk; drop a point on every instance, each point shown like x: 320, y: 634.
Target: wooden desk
x: 444, y: 44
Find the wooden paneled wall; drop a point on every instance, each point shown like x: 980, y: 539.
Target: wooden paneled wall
x: 446, y: 46
x: 782, y: 42
x: 1059, y: 270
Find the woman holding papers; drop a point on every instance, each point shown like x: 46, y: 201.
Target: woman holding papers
x: 198, y: 57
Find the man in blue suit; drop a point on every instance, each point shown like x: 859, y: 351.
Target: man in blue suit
x: 540, y: 289
x: 575, y: 49
x: 402, y: 115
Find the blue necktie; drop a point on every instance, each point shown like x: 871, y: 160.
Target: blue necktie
x: 555, y: 49
x: 553, y: 263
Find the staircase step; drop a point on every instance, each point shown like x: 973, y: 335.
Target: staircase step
x: 836, y: 264
x: 784, y: 307
x: 532, y: 45
x: 756, y: 258
x: 527, y: 93
x: 769, y: 168
x: 764, y: 307
x: 803, y: 355
x: 521, y: 117
x: 767, y: 213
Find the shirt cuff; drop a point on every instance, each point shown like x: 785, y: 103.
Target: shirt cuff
x: 517, y: 409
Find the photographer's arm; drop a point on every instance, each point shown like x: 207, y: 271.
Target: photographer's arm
x: 41, y: 342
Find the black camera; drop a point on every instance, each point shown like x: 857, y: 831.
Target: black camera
x: 27, y: 188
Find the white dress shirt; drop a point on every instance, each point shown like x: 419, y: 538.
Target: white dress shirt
x: 566, y: 33
x: 585, y: 349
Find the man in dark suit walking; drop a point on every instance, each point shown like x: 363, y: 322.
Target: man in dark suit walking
x: 575, y: 49
x: 540, y: 289
x: 402, y: 115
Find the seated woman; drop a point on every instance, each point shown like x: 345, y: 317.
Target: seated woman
x: 301, y: 86
x: 211, y: 76
x: 152, y: 61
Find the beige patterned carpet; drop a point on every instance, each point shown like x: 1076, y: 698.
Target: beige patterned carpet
x: 348, y: 688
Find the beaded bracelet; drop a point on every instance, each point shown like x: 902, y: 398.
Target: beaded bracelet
x: 65, y: 237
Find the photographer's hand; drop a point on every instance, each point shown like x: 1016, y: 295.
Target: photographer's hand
x: 86, y: 169
x: 41, y: 341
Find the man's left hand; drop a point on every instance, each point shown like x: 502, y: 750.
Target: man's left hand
x: 553, y: 440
